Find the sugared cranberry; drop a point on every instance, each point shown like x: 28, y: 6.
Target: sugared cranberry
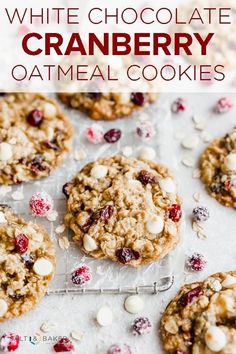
x: 119, y: 349
x: 9, y: 342
x: 179, y: 105
x: 190, y: 296
x: 175, y: 212
x: 141, y: 325
x: 81, y: 275
x: 138, y: 98
x: 51, y: 145
x: 200, y: 213
x: 146, y: 177
x: 107, y: 212
x: 145, y: 130
x: 125, y: 255
x: 21, y: 243
x: 95, y: 134
x: 35, y: 118
x: 63, y: 345
x: 41, y: 203
x: 66, y: 189
x: 223, y: 105
x: 112, y: 136
x: 196, y: 262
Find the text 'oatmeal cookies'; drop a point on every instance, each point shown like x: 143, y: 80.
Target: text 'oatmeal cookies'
x: 27, y: 264
x: 35, y: 137
x: 201, y: 318
x: 124, y: 209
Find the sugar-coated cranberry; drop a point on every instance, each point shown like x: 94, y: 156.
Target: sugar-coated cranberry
x: 107, y: 212
x: 145, y: 129
x: 196, y: 262
x: 41, y: 203
x: 223, y: 105
x: 35, y: 118
x: 112, y: 136
x: 190, y: 296
x: 138, y: 98
x: 63, y: 345
x: 146, y: 177
x: 81, y: 275
x: 175, y: 212
x: 95, y: 134
x: 21, y: 243
x: 179, y: 105
x: 119, y: 349
x: 200, y: 213
x: 141, y: 325
x: 125, y: 255
x: 9, y: 342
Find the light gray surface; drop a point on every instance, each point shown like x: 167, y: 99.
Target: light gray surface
x: 79, y: 312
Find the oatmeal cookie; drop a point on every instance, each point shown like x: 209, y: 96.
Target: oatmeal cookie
x: 124, y: 209
x: 218, y: 169
x: 201, y: 318
x: 222, y: 46
x: 108, y: 106
x: 27, y: 264
x: 35, y: 137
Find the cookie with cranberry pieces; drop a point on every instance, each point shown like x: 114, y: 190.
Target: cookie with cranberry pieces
x: 124, y: 209
x: 218, y: 169
x: 200, y: 319
x: 35, y: 137
x: 108, y: 106
x: 27, y: 264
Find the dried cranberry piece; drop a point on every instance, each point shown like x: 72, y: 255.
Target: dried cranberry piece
x: 63, y: 345
x: 38, y: 164
x: 51, y: 145
x: 107, y: 212
x: 146, y: 177
x: 81, y: 275
x: 126, y: 255
x: 9, y: 342
x: 138, y: 98
x: 175, y: 212
x: 94, y: 95
x: 21, y: 243
x: 90, y: 221
x: 188, y: 298
x: 112, y: 135
x: 66, y: 189
x: 35, y: 118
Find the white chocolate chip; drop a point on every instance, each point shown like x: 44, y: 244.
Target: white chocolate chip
x: 80, y: 155
x: 230, y: 162
x: 229, y: 281
x: 167, y: 185
x: 155, y: 225
x: 147, y: 153
x: 104, y: 316
x: 188, y: 161
x: 134, y: 304
x: 48, y: 326
x: 2, y: 218
x: 77, y: 335
x: 49, y: 110
x: 127, y: 151
x: 89, y: 243
x: 124, y: 98
x: 215, y: 339
x: 215, y: 285
x: 206, y: 137
x: 99, y: 171
x: 190, y: 142
x: 5, y: 151
x: 17, y: 195
x: 3, y: 307
x: 43, y: 267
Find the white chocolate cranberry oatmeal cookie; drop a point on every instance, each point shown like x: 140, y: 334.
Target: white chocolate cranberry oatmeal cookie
x: 124, y: 209
x: 27, y: 264
x: 108, y: 106
x: 35, y: 137
x: 201, y: 318
x: 218, y: 169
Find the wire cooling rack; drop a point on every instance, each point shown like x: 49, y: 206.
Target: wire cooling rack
x: 108, y: 277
